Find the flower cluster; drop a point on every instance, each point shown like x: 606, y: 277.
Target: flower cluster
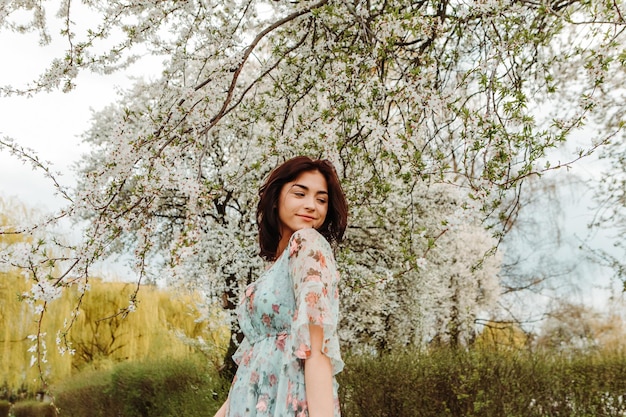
x: 429, y: 115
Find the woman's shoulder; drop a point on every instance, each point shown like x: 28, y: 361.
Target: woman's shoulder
x: 308, y: 232
x: 308, y: 237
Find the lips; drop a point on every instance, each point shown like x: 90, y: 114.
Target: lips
x: 306, y: 218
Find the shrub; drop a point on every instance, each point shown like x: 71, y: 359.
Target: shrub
x: 174, y: 387
x: 148, y: 389
x: 477, y: 383
x: 85, y: 395
x: 444, y: 382
x: 5, y: 407
x: 34, y: 409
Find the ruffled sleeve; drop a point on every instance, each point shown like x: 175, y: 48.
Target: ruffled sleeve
x: 243, y: 352
x: 313, y: 271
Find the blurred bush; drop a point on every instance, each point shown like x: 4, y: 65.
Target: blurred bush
x: 5, y: 407
x: 34, y: 409
x: 166, y: 387
x: 485, y: 383
x: 442, y: 382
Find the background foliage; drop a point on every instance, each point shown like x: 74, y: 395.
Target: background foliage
x: 485, y: 383
x: 436, y: 113
x: 166, y: 324
x: 475, y: 382
x: 186, y: 386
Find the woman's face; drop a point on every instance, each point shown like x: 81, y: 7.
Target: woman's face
x: 303, y: 203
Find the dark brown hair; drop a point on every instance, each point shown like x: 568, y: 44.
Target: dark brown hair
x: 267, y: 210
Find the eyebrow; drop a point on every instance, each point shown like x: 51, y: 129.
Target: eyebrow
x: 307, y: 188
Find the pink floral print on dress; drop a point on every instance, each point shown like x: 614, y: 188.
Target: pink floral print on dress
x: 300, y: 289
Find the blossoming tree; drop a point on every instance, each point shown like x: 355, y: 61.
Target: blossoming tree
x: 610, y: 195
x: 435, y: 112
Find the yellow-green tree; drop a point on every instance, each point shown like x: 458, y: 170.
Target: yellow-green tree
x: 156, y: 328
x: 103, y: 331
x: 502, y: 335
x: 161, y: 326
x: 16, y: 318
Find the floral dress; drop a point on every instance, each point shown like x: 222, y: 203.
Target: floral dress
x: 299, y: 289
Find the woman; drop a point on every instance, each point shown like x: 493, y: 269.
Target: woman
x: 290, y: 354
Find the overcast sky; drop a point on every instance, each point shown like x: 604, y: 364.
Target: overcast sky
x: 52, y: 123
x: 49, y: 123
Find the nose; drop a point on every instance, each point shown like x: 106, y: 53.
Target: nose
x: 309, y: 203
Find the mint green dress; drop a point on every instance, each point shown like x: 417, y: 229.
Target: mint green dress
x: 299, y: 289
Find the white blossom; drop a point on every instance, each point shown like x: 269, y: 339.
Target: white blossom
x: 432, y: 119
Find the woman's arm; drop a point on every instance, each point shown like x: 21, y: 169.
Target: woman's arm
x: 222, y: 411
x: 318, y: 377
